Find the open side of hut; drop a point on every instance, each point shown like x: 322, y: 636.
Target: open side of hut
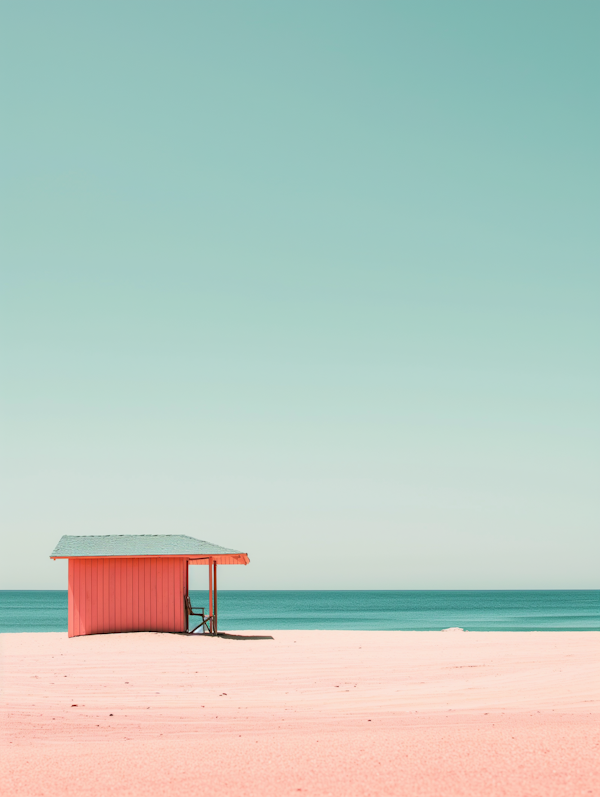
x: 139, y: 582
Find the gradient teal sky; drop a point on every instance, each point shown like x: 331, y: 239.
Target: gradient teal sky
x: 316, y: 280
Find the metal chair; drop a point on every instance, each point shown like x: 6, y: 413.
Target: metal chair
x: 206, y: 622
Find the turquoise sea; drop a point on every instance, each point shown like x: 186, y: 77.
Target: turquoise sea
x: 421, y: 610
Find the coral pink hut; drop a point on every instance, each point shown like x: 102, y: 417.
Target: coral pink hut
x: 139, y: 582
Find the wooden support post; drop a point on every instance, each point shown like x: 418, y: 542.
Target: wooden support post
x: 215, y: 602
x: 210, y: 595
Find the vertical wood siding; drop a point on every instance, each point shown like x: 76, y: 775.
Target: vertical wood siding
x: 126, y: 594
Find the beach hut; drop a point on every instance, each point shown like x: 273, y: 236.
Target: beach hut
x: 139, y: 582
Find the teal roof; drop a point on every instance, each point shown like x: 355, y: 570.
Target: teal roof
x: 72, y: 546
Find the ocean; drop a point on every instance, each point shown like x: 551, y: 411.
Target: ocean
x: 384, y: 610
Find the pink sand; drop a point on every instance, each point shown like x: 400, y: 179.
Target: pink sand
x: 339, y: 713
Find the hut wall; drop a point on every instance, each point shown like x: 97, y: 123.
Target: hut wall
x: 126, y: 594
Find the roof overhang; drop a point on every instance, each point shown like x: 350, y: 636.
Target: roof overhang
x: 220, y: 559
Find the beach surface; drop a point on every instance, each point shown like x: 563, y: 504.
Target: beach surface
x: 339, y: 713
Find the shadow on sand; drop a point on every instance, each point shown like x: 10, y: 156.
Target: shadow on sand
x: 227, y: 636
x: 241, y: 636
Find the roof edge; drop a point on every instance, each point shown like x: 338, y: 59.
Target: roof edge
x: 193, y: 558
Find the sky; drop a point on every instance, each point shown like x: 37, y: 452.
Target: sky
x: 318, y: 281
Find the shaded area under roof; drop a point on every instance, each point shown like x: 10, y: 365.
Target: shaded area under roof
x: 103, y: 545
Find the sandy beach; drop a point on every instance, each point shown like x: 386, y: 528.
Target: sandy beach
x: 308, y: 712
